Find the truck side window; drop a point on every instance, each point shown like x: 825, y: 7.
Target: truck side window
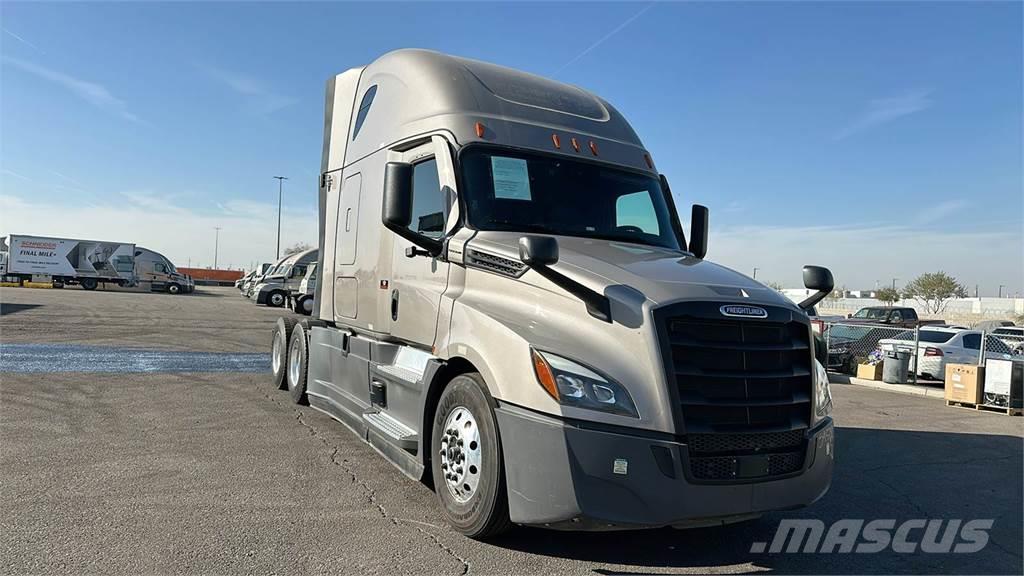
x: 637, y: 210
x: 159, y: 267
x: 897, y: 317
x: 910, y: 313
x: 428, y: 201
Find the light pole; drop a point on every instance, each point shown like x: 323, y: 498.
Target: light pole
x: 755, y: 272
x: 894, y: 283
x: 216, y: 245
x: 1001, y: 286
x: 280, y: 185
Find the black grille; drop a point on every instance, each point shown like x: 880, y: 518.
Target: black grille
x: 493, y: 263
x: 743, y: 387
x: 729, y: 468
x: 704, y: 443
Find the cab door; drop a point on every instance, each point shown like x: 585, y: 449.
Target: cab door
x: 417, y: 282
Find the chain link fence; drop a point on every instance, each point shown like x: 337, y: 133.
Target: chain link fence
x: 930, y: 349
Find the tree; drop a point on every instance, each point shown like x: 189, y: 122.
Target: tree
x: 934, y: 290
x: 297, y: 247
x: 888, y: 295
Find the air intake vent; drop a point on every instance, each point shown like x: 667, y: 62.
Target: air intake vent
x: 493, y: 263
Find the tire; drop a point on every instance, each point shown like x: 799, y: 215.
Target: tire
x: 276, y: 299
x: 469, y: 482
x: 279, y: 351
x: 298, y: 364
x: 173, y: 289
x: 89, y: 283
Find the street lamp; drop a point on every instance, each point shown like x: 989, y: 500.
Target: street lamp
x: 755, y: 272
x: 280, y: 184
x: 216, y: 245
x: 1001, y: 286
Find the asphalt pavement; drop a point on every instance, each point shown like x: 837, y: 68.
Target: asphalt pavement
x: 171, y: 472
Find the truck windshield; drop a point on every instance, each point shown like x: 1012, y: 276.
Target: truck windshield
x: 521, y: 192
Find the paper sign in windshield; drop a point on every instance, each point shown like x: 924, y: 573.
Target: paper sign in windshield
x: 511, y: 178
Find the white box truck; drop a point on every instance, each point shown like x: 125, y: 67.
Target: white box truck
x: 507, y: 303
x: 70, y: 261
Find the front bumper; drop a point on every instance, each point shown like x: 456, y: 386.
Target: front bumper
x: 564, y: 476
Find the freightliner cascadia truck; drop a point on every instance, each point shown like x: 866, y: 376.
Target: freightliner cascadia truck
x: 508, y: 306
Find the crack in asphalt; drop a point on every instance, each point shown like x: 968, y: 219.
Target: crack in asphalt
x: 368, y: 492
x: 937, y: 463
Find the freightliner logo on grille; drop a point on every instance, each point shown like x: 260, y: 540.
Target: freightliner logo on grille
x: 741, y: 311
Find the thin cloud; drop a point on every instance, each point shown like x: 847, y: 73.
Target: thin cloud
x: 23, y: 41
x: 91, y: 92
x: 881, y: 111
x: 16, y: 175
x: 67, y: 178
x: 860, y: 254
x: 940, y: 211
x: 257, y: 96
x: 604, y: 38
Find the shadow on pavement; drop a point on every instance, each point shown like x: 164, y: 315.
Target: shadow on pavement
x: 879, y: 474
x: 9, y: 308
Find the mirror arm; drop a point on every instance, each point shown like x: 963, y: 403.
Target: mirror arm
x: 597, y: 304
x: 429, y: 246
x: 813, y: 299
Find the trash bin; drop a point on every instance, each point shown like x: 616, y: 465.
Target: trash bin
x: 896, y: 367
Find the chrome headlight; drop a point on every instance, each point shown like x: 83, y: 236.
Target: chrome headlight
x: 822, y: 393
x: 572, y: 384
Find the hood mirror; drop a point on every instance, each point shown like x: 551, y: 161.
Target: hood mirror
x: 817, y: 278
x: 536, y: 251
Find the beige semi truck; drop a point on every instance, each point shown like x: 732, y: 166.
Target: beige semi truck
x: 508, y: 307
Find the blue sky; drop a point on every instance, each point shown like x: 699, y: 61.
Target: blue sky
x: 879, y: 139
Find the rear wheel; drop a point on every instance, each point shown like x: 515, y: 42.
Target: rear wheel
x: 467, y: 464
x: 276, y: 299
x: 279, y: 351
x: 89, y: 283
x: 298, y: 364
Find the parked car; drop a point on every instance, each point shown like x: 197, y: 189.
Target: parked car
x: 891, y: 316
x: 1012, y: 336
x: 938, y: 346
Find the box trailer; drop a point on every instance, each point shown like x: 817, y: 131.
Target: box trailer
x: 70, y: 261
x: 507, y: 304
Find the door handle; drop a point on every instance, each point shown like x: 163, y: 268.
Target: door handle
x: 394, y: 305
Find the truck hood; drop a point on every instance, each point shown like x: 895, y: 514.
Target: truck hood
x: 662, y: 275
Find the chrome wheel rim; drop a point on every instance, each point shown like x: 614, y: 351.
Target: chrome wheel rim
x: 460, y: 453
x: 277, y: 299
x: 293, y: 365
x: 276, y: 354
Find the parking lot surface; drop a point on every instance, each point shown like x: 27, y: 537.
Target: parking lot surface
x: 212, y: 471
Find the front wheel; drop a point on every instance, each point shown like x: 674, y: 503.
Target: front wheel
x: 89, y: 283
x: 276, y: 299
x: 174, y: 289
x: 467, y: 464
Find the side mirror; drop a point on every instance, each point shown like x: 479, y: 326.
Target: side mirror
x: 536, y: 251
x: 397, y: 211
x: 699, y: 231
x: 816, y: 278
